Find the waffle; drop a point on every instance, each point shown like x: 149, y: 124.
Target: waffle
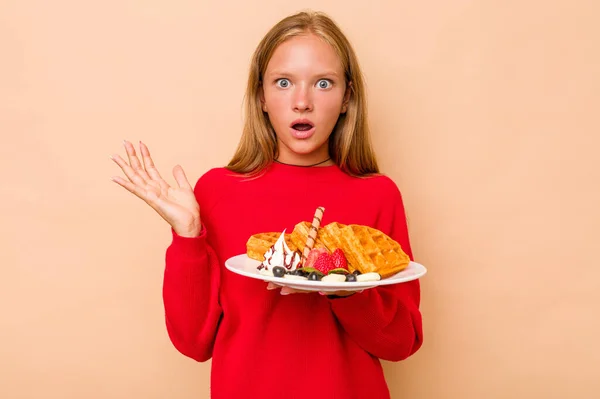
x: 331, y: 235
x: 258, y: 244
x: 300, y: 234
x: 366, y: 249
x: 370, y: 250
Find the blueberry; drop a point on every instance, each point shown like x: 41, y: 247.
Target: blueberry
x: 314, y: 276
x: 356, y: 272
x: 297, y: 272
x: 351, y: 278
x: 278, y: 271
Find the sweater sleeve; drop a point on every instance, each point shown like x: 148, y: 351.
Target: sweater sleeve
x: 385, y: 321
x: 191, y: 293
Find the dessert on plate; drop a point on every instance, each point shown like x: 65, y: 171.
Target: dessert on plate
x: 333, y: 252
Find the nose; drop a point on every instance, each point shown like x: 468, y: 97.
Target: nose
x: 302, y: 100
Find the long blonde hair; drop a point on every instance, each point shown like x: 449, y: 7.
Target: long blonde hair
x: 349, y: 143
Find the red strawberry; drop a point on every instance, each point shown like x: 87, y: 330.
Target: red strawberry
x: 339, y: 259
x: 312, y: 256
x: 324, y: 263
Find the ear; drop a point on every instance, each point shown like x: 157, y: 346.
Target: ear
x: 346, y: 98
x: 261, y: 97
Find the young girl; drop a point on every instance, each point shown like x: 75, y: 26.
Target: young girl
x: 305, y: 144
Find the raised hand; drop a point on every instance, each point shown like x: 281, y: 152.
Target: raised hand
x: 176, y: 205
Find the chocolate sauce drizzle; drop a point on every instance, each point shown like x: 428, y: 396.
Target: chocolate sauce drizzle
x: 287, y: 265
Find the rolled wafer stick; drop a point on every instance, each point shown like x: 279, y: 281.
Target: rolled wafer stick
x: 312, y: 233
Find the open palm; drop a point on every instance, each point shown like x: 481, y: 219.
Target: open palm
x: 177, y: 205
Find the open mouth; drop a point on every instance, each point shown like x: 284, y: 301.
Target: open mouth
x: 302, y: 125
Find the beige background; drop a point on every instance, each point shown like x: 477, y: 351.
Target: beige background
x: 484, y: 112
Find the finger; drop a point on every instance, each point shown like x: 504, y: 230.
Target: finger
x: 129, y: 186
x: 340, y: 293
x: 131, y: 174
x: 272, y: 286
x: 181, y: 178
x: 287, y: 291
x: 134, y: 161
x: 149, y: 166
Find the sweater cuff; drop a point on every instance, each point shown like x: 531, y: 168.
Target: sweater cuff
x: 189, y: 247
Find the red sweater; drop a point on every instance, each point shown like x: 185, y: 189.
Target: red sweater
x: 266, y: 345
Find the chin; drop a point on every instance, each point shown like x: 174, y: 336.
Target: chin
x: 299, y: 149
x: 303, y: 147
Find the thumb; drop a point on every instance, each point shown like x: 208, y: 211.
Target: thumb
x: 180, y: 177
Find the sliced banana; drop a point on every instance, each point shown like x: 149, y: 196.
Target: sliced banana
x: 294, y: 277
x: 334, y: 278
x: 371, y: 276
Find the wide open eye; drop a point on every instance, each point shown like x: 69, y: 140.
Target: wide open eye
x: 283, y: 83
x: 324, y: 84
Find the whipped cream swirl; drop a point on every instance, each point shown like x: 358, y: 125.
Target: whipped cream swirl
x: 280, y: 255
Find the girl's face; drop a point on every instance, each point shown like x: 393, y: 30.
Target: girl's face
x: 303, y: 92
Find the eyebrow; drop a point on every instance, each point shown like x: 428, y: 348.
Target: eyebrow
x: 287, y: 74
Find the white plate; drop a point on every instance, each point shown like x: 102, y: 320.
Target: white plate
x: 245, y: 266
